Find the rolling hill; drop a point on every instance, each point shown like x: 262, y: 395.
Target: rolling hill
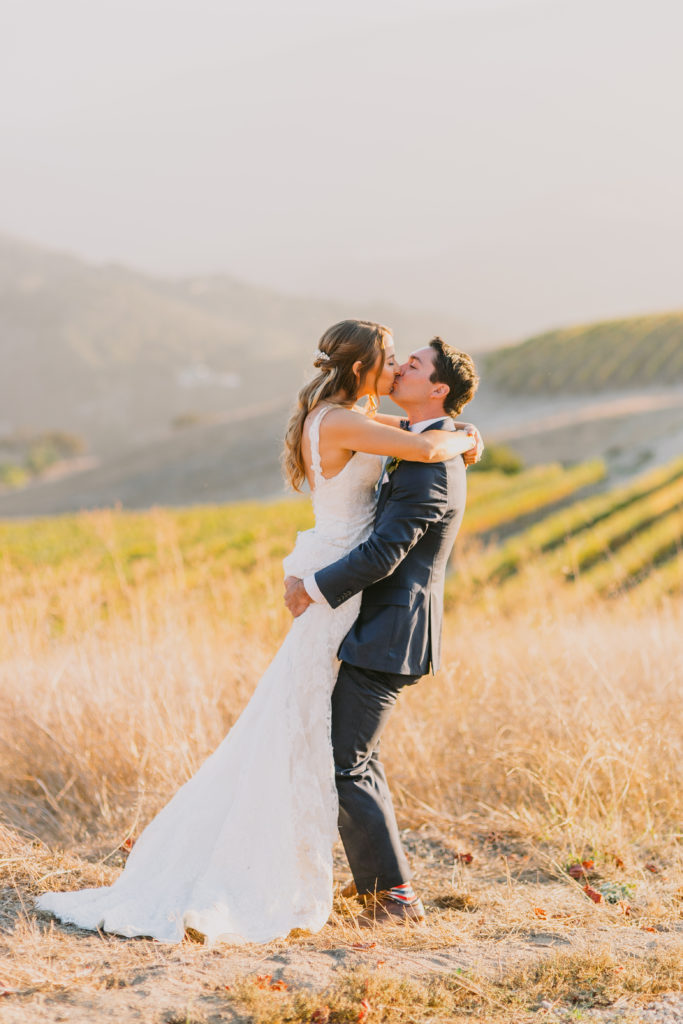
x: 234, y: 459
x: 115, y: 356
x: 613, y: 355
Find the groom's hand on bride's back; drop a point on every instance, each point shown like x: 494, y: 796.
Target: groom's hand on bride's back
x: 296, y: 596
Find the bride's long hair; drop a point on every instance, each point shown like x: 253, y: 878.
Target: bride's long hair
x: 342, y: 345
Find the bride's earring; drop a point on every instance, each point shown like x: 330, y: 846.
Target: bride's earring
x: 372, y: 406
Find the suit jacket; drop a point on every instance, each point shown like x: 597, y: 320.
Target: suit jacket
x: 401, y: 568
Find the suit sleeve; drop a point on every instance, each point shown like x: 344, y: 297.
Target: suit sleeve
x: 419, y: 497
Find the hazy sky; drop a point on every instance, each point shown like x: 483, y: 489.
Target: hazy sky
x: 518, y: 163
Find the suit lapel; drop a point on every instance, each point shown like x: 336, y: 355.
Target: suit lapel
x: 445, y: 424
x: 383, y: 495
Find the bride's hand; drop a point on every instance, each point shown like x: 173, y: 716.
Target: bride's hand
x: 473, y: 455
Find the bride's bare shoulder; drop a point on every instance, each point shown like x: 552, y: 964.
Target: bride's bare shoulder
x: 333, y: 414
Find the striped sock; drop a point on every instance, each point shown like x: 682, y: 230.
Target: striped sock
x: 403, y: 893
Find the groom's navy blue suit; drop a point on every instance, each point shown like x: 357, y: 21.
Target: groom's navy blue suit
x: 396, y: 638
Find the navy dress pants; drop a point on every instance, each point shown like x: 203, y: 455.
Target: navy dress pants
x: 362, y: 701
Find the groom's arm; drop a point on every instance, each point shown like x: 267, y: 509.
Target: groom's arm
x: 419, y: 497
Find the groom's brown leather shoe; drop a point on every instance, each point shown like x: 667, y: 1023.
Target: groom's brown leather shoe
x: 381, y: 909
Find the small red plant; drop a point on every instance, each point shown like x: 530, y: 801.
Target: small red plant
x: 593, y: 894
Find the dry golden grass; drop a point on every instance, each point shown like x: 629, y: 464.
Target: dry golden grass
x: 552, y: 733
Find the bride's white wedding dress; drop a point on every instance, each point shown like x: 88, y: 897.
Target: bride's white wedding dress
x: 243, y: 851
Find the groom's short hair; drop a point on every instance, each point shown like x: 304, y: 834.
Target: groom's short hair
x: 457, y: 370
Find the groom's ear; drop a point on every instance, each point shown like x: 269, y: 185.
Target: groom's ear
x: 440, y: 391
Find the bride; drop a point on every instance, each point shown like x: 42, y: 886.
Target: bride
x: 243, y: 851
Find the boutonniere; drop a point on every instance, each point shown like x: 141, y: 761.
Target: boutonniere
x: 391, y: 465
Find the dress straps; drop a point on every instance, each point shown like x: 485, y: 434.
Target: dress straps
x: 314, y: 438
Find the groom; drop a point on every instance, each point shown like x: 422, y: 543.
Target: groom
x: 397, y: 636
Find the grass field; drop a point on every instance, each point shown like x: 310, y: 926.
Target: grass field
x: 129, y: 643
x: 609, y: 355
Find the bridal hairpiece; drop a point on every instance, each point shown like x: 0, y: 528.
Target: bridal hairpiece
x: 323, y: 356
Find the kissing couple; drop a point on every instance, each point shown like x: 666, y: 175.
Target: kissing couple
x: 243, y: 851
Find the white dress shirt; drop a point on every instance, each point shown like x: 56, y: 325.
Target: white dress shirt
x: 311, y: 587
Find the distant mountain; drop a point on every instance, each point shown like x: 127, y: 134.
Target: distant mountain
x: 612, y: 355
x: 116, y: 356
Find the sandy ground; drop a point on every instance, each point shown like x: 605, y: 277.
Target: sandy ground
x: 507, y: 909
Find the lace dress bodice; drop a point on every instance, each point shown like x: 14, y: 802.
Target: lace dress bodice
x: 343, y: 505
